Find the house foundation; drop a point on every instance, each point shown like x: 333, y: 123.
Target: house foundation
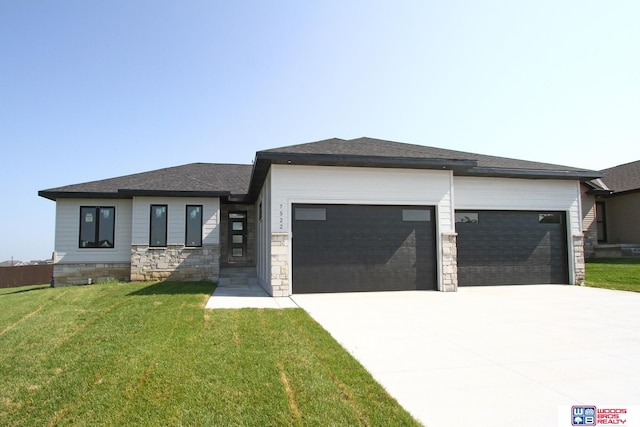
x: 88, y: 273
x: 175, y: 262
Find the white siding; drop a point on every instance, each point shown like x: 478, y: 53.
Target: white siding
x: 520, y: 194
x: 263, y: 235
x: 525, y: 194
x: 68, y: 231
x: 176, y: 218
x: 345, y: 185
x: 366, y: 186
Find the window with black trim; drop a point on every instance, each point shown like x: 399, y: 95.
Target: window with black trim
x: 193, y: 231
x: 601, y: 221
x: 97, y: 227
x: 466, y: 217
x: 423, y: 215
x: 311, y: 214
x: 550, y: 218
x: 158, y: 225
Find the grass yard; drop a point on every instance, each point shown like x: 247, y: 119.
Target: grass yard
x: 614, y: 273
x: 150, y: 354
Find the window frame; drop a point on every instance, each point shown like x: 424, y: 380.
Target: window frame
x: 601, y: 221
x: 310, y: 214
x: 549, y: 217
x: 166, y: 223
x: 466, y: 217
x: 186, y: 226
x: 97, y: 212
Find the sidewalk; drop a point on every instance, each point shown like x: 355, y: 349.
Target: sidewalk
x: 246, y: 296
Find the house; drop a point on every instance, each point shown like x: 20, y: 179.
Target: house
x: 331, y: 216
x: 617, y: 202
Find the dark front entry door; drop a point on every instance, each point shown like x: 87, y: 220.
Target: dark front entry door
x: 237, y: 237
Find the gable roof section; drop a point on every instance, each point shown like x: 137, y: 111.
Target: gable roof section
x: 191, y: 180
x: 381, y: 153
x: 623, y: 178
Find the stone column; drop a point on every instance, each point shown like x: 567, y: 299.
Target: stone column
x: 280, y: 264
x: 578, y: 259
x: 449, y: 262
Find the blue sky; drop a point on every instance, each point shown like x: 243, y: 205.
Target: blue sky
x: 92, y: 90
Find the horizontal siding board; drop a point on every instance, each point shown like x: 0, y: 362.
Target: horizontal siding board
x: 520, y: 194
x: 68, y: 229
x: 176, y: 218
x: 347, y: 185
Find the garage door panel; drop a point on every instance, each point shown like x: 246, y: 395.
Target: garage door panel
x: 359, y: 248
x: 512, y: 247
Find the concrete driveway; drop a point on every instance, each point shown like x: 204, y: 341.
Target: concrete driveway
x: 492, y: 356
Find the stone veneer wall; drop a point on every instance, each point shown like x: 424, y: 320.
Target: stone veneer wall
x: 175, y: 262
x: 280, y: 265
x: 578, y: 259
x: 590, y: 240
x: 449, y: 262
x: 80, y: 273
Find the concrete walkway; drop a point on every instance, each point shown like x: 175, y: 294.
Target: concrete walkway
x: 492, y: 356
x: 246, y: 296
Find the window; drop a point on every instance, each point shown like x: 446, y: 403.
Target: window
x: 601, y: 221
x: 97, y: 227
x: 158, y: 226
x: 467, y: 217
x: 237, y: 236
x: 416, y: 215
x: 193, y: 233
x: 311, y: 214
x: 550, y: 218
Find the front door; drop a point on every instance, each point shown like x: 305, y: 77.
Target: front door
x: 237, y: 237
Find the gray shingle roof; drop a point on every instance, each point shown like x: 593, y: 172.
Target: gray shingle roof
x: 191, y: 179
x: 624, y: 177
x: 242, y: 182
x: 380, y: 148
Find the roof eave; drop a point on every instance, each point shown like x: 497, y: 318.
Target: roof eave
x: 621, y: 193
x: 54, y: 195
x: 597, y: 192
x: 531, y: 173
x: 127, y: 194
x: 365, y: 161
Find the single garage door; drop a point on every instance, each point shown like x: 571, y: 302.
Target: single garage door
x: 511, y: 247
x: 348, y: 248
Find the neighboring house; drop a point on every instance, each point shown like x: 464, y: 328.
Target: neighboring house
x: 331, y: 216
x: 617, y: 202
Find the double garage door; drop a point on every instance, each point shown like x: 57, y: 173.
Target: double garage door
x: 349, y: 248
x: 511, y: 247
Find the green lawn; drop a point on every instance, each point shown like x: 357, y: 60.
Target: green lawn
x: 614, y: 273
x: 150, y: 354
